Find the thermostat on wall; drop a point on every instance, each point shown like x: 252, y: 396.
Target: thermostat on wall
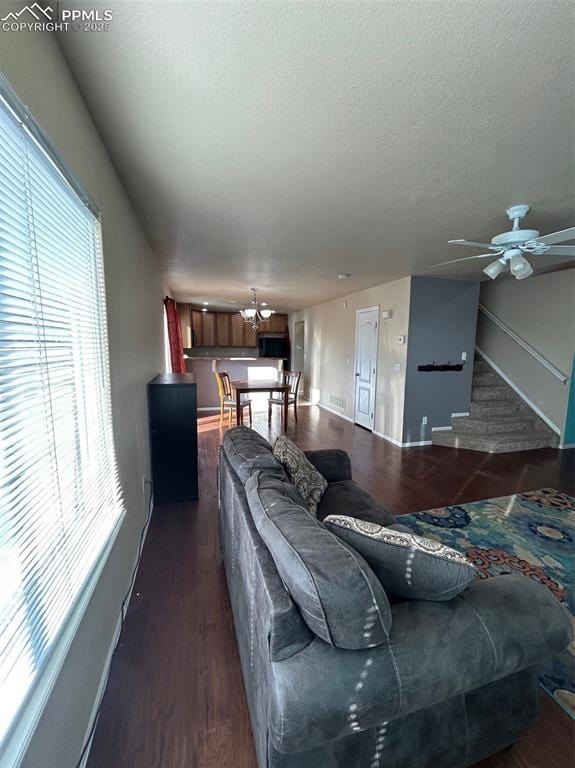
x: 401, y: 339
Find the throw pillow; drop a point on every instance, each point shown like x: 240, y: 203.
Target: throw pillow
x: 407, y: 565
x: 310, y: 484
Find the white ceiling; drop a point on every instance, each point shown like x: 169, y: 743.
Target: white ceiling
x: 275, y: 144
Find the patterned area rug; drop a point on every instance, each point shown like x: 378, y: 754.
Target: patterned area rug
x: 529, y: 533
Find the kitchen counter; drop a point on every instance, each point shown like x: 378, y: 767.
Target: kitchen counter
x: 238, y: 368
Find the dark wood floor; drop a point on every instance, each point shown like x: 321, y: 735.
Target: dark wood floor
x: 175, y: 696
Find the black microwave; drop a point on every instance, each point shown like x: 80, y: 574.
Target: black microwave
x: 273, y: 346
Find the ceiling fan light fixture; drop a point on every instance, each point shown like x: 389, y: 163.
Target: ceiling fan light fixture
x: 494, y: 269
x: 519, y: 266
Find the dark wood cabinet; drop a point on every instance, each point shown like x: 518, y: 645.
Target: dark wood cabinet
x: 186, y: 324
x: 224, y: 329
x: 172, y: 413
x: 237, y: 330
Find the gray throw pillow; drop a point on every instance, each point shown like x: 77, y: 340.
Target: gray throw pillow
x: 337, y: 593
x: 408, y: 566
x: 310, y: 484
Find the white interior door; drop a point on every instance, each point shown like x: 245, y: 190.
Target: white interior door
x: 366, y: 366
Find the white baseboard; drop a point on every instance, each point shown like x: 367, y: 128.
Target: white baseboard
x: 521, y: 394
x: 458, y: 415
x: 441, y: 429
x: 389, y: 439
x: 416, y: 445
x: 111, y: 648
x: 398, y: 444
x: 335, y: 413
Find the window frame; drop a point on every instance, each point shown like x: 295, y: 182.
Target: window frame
x: 22, y: 730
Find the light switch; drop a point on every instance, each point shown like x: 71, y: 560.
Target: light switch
x: 387, y: 314
x: 397, y: 367
x: 464, y: 356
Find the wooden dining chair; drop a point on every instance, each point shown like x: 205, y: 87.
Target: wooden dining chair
x: 227, y: 400
x: 291, y: 378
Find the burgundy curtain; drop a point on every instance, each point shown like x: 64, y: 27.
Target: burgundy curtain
x: 175, y: 336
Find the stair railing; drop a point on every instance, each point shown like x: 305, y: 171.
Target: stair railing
x: 525, y: 344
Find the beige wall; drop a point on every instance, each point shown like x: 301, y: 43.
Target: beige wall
x: 37, y: 71
x: 330, y: 349
x: 541, y: 309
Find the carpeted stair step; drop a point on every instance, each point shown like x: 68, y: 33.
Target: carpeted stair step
x: 489, y: 392
x: 504, y: 442
x: 493, y: 424
x: 479, y: 409
x: 485, y: 378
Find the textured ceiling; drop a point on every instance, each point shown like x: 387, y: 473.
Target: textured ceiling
x: 275, y: 144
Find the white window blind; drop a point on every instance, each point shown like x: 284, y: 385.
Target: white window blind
x: 59, y: 490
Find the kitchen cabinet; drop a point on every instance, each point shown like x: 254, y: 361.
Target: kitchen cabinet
x: 209, y: 329
x: 238, y: 328
x: 185, y: 324
x: 250, y: 337
x: 223, y: 329
x: 278, y: 323
x: 197, y: 328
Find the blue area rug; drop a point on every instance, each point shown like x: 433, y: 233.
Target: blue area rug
x: 529, y: 533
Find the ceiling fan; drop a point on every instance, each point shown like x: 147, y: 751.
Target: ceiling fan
x: 509, y: 247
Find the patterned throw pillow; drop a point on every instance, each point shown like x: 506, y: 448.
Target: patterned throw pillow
x: 407, y: 565
x: 310, y: 483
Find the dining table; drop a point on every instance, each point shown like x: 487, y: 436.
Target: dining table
x: 245, y: 386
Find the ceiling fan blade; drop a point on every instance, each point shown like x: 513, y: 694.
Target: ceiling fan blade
x: 472, y: 243
x: 557, y: 237
x: 560, y: 250
x: 466, y: 258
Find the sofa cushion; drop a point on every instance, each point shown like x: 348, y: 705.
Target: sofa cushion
x: 247, y: 451
x: 337, y: 593
x: 307, y: 479
x: 408, y: 566
x: 346, y: 497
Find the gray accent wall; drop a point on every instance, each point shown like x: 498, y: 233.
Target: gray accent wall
x: 38, y: 72
x: 442, y: 325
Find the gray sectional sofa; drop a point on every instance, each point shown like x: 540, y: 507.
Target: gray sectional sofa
x: 436, y: 685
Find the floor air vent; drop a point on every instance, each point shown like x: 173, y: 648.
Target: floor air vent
x: 337, y: 401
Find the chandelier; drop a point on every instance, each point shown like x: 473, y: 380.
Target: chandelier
x: 253, y: 315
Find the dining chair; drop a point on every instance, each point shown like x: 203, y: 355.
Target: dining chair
x: 291, y: 378
x: 227, y: 400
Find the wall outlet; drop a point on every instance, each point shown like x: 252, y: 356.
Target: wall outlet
x: 424, y: 421
x: 397, y: 367
x: 464, y: 356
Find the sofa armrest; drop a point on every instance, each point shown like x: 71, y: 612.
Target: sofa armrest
x: 436, y: 651
x: 333, y: 463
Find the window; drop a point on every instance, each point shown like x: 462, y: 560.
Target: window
x: 59, y: 491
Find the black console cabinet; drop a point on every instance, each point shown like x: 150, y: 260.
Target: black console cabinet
x: 172, y: 404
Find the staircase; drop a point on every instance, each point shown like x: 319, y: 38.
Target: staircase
x: 499, y: 420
